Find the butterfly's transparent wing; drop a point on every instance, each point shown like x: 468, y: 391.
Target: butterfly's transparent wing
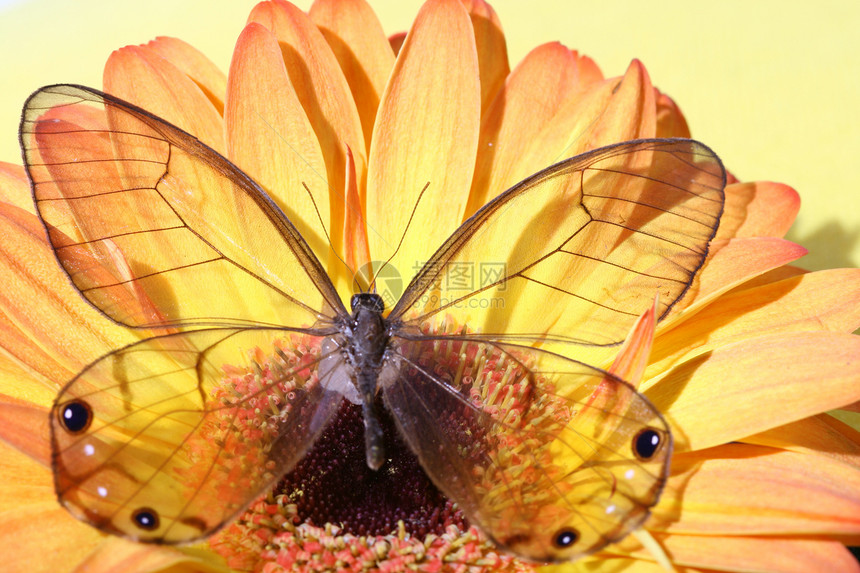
x: 154, y: 228
x: 167, y: 439
x: 552, y: 458
x: 577, y: 252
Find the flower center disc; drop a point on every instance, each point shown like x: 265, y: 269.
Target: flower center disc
x: 332, y: 483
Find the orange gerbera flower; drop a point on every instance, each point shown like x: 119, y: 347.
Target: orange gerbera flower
x: 747, y: 368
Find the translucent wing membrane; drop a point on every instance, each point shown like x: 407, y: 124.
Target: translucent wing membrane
x: 162, y: 441
x: 157, y: 229
x: 552, y: 458
x: 168, y: 439
x: 578, y: 251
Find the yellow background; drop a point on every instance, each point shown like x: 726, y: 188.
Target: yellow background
x: 772, y: 86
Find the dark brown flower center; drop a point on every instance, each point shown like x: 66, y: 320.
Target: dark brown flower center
x: 332, y: 484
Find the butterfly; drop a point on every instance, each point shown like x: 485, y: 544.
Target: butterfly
x: 549, y: 456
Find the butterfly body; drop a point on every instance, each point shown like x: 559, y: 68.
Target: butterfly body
x: 366, y: 340
x: 169, y: 438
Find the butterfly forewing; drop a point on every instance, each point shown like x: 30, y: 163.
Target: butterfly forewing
x: 155, y: 228
x: 578, y: 251
x: 552, y: 458
x: 167, y: 439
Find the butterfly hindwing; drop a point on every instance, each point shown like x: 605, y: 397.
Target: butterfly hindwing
x: 158, y: 442
x: 155, y: 228
x: 552, y: 458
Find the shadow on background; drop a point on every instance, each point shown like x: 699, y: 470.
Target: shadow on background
x: 830, y: 246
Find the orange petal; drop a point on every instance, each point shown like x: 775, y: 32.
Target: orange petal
x: 739, y: 489
x: 44, y: 536
x: 46, y: 539
x: 754, y: 385
x: 607, y: 561
x: 25, y: 427
x: 356, y: 249
x: 492, y: 49
x: 758, y: 209
x: 633, y: 356
x: 396, y: 41
x: 269, y: 135
x: 194, y: 64
x: 140, y: 75
x: 755, y: 554
x: 820, y: 301
x: 21, y: 382
x: 358, y: 42
x: 615, y: 110
x: 325, y: 96
x: 670, y: 120
x: 821, y: 435
x: 116, y: 554
x: 59, y: 333
x: 32, y: 483
x: 547, y: 78
x: 735, y: 261
x: 631, y: 112
x: 426, y: 133
x: 15, y: 187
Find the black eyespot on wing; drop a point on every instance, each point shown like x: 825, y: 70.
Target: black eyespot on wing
x: 146, y: 518
x: 565, y: 538
x: 75, y: 416
x: 647, y: 443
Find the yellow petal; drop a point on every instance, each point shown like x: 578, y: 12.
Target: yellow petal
x: 740, y: 489
x: 735, y: 261
x: 31, y: 520
x: 269, y: 135
x: 547, y: 78
x: 618, y: 109
x: 754, y: 385
x: 821, y: 435
x: 358, y: 41
x: 138, y: 74
x: 758, y: 209
x: 820, y: 301
x: 195, y: 65
x: 426, y: 133
x: 36, y: 391
x: 116, y: 554
x: 607, y: 562
x: 325, y: 96
x: 492, y: 49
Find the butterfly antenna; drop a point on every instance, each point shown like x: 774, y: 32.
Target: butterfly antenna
x: 402, y: 237
x: 325, y: 230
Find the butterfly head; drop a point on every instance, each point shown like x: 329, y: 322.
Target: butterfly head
x: 367, y: 300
